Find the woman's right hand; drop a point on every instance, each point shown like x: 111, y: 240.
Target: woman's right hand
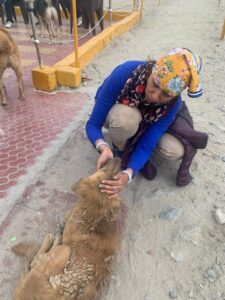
x: 105, y: 155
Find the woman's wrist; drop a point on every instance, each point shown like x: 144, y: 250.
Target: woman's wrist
x: 100, y: 145
x: 129, y: 172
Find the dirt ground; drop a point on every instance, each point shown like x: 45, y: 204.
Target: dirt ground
x: 172, y: 246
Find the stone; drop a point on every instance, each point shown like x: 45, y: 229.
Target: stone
x: 172, y: 294
x: 169, y: 213
x: 219, y: 216
x: 177, y: 256
x: 191, y: 295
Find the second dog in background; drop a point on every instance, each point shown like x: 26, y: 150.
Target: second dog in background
x: 48, y: 18
x: 88, y: 9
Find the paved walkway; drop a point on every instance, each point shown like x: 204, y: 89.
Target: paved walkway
x: 31, y: 133
x: 28, y: 127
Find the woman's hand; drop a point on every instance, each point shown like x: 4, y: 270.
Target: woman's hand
x: 105, y: 155
x: 113, y: 187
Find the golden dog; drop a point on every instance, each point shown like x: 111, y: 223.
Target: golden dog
x: 9, y: 58
x: 77, y: 266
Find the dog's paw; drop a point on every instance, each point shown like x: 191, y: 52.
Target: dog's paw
x: 4, y: 102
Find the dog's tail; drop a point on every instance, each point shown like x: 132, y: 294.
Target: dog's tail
x: 5, y: 39
x: 27, y: 252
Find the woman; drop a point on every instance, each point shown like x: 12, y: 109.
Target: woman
x: 140, y: 103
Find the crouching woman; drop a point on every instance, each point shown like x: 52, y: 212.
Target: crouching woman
x: 140, y: 104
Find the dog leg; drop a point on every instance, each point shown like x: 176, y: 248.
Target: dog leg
x: 56, y: 25
x: 46, y: 245
x: 99, y: 13
x: 48, y: 27
x: 92, y: 21
x: 101, y: 23
x: 51, y: 26
x: 59, y: 34
x: 17, y: 68
x: 3, y: 100
x: 42, y: 27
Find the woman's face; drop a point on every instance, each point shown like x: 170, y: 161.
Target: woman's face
x: 154, y: 94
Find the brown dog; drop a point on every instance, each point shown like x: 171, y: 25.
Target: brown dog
x: 77, y: 267
x: 9, y: 58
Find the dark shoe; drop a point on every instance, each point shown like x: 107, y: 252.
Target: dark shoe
x: 183, y: 179
x: 149, y: 171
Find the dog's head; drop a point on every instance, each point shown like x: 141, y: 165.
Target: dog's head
x: 88, y: 187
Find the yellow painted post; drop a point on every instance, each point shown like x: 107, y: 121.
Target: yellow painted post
x: 142, y: 4
x: 223, y: 31
x: 134, y: 6
x: 77, y: 63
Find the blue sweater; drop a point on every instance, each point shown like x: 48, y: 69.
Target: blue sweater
x: 106, y: 97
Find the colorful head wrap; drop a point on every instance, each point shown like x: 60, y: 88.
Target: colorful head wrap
x: 177, y: 70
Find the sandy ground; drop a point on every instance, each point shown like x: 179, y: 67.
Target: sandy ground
x: 178, y: 255
x: 172, y: 246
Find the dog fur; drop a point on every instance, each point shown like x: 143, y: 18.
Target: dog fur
x: 77, y: 266
x: 9, y: 58
x: 48, y: 18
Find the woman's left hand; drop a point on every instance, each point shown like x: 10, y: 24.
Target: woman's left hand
x: 113, y: 187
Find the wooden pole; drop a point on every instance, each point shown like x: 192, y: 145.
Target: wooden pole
x: 110, y: 12
x: 223, y: 31
x: 74, y: 7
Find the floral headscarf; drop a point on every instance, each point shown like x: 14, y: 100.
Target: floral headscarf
x: 177, y: 70
x: 133, y: 94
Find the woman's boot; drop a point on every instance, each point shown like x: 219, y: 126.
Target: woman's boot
x: 183, y: 175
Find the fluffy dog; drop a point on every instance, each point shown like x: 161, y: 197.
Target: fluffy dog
x: 77, y: 267
x: 9, y: 58
x: 48, y: 18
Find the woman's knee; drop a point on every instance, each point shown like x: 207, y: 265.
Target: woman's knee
x: 124, y: 118
x: 122, y: 122
x: 170, y: 147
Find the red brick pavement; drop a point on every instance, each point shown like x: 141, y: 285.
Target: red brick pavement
x: 28, y: 126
